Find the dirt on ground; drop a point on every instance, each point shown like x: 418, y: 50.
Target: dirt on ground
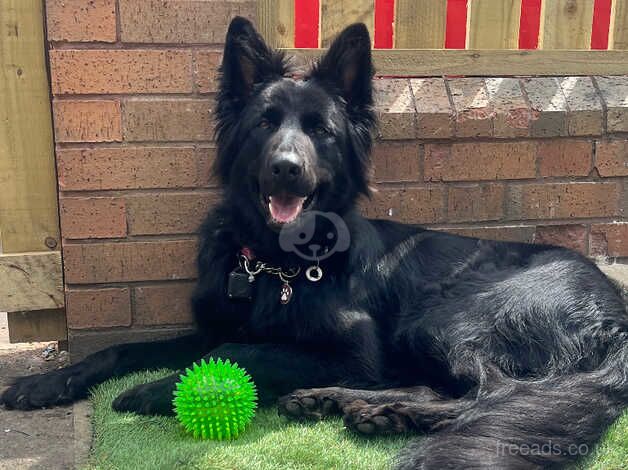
x: 41, y: 439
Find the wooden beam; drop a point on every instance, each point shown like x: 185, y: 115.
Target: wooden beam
x: 275, y: 20
x: 618, y: 34
x: 483, y: 63
x: 31, y: 281
x: 337, y: 14
x: 566, y: 24
x: 43, y: 325
x: 28, y: 198
x: 493, y: 25
x: 420, y: 24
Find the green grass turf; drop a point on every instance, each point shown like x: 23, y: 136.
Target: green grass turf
x: 127, y: 441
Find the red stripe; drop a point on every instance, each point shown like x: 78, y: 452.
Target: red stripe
x: 456, y: 29
x: 384, y: 18
x: 601, y: 24
x: 306, y: 13
x: 529, y: 24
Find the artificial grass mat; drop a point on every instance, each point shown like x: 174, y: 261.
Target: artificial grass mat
x: 128, y: 441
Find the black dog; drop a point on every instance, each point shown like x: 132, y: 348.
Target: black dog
x: 510, y: 355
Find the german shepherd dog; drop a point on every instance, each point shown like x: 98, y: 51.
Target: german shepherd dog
x: 506, y: 355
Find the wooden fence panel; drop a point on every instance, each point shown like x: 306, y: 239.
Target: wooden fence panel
x: 493, y: 25
x: 420, y: 24
x: 618, y: 34
x: 28, y: 194
x: 29, y: 219
x: 566, y: 24
x: 336, y: 14
x: 275, y: 19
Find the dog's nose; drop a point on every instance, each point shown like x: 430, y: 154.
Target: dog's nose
x: 286, y: 167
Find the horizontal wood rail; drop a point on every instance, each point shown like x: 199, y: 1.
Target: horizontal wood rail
x: 498, y: 62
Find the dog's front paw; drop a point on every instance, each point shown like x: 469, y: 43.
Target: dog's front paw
x: 314, y: 403
x: 58, y: 387
x: 369, y: 419
x: 154, y: 398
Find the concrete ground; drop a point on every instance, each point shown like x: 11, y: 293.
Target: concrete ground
x: 42, y: 439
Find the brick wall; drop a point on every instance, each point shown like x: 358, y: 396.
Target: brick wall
x: 537, y: 159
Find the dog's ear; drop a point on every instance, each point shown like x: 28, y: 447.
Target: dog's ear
x: 247, y: 60
x: 348, y: 65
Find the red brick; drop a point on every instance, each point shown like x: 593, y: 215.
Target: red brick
x: 169, y: 120
x: 395, y: 108
x: 565, y: 157
x: 609, y: 239
x: 131, y: 168
x: 612, y: 157
x: 475, y: 203
x: 129, y: 261
x: 474, y: 114
x: 163, y: 304
x: 522, y: 234
x: 586, y: 114
x: 549, y: 106
x: 206, y: 64
x: 435, y: 116
x: 81, y: 21
x: 480, y: 161
x: 120, y: 71
x: 155, y: 214
x: 396, y: 161
x: 175, y: 21
x: 87, y: 120
x: 92, y: 217
x: 569, y: 236
x: 511, y: 112
x: 98, y: 308
x: 563, y: 200
x: 412, y: 205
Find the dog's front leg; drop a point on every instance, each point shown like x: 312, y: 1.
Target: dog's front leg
x: 276, y: 369
x: 72, y: 383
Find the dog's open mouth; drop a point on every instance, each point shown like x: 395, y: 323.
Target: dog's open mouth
x: 285, y: 208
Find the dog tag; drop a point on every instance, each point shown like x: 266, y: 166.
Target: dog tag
x: 286, y: 293
x: 239, y: 286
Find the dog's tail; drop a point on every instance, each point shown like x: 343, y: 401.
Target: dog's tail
x: 529, y: 424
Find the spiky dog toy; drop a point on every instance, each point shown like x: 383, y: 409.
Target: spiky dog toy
x: 215, y: 400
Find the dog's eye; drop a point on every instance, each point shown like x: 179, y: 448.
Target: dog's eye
x: 320, y: 130
x: 264, y: 124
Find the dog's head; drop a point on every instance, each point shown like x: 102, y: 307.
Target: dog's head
x: 287, y: 146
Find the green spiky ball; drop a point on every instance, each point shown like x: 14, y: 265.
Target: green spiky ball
x: 215, y: 400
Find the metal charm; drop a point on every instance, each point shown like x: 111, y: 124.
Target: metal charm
x: 286, y: 293
x: 314, y: 273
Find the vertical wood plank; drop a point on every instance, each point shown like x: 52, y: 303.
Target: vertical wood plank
x: 275, y: 20
x: 566, y: 24
x: 618, y: 32
x: 493, y: 25
x: 336, y: 14
x: 420, y: 24
x: 28, y: 194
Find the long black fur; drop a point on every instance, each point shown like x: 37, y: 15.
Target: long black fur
x: 508, y: 355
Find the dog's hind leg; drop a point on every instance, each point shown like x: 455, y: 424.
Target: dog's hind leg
x: 316, y: 403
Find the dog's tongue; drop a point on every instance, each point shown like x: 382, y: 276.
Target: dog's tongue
x: 285, y: 208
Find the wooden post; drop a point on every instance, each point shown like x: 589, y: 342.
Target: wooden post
x: 618, y: 34
x: 29, y: 220
x: 493, y: 25
x: 420, y: 24
x: 566, y: 24
x: 336, y: 14
x: 275, y: 19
